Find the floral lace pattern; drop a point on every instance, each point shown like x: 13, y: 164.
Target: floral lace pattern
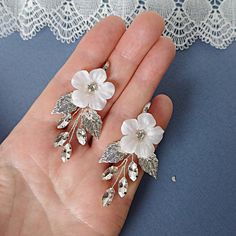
x: 212, y: 21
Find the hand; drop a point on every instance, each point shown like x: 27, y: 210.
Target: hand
x: 40, y: 195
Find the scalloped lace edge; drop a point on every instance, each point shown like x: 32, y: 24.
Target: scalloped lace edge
x: 67, y: 24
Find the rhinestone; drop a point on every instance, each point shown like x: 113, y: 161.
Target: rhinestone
x: 133, y: 171
x: 108, y: 197
x: 92, y: 87
x: 123, y: 187
x: 81, y: 136
x: 140, y: 134
x: 64, y: 121
x: 109, y: 172
x: 61, y: 139
x: 66, y: 153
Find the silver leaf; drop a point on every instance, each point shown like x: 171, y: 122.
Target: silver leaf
x: 91, y: 121
x: 109, y: 172
x: 108, y: 197
x: 66, y: 152
x: 61, y: 139
x: 133, y: 171
x: 81, y: 136
x: 123, y: 187
x: 112, y: 154
x: 64, y: 121
x: 146, y: 107
x: 64, y: 105
x: 149, y: 165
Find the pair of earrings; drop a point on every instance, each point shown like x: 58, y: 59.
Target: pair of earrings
x: 136, y: 147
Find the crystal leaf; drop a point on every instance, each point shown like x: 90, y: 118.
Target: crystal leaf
x: 122, y: 187
x: 146, y: 107
x: 108, y: 197
x: 61, y: 139
x: 92, y: 122
x: 133, y: 171
x: 109, y: 172
x: 64, y: 105
x: 112, y: 154
x: 66, y: 152
x: 149, y: 165
x: 64, y: 121
x: 81, y: 136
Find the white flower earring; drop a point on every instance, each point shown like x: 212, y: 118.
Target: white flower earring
x: 92, y: 90
x: 138, y: 140
x: 91, y: 94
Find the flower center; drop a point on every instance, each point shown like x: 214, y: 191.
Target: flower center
x: 140, y: 134
x: 92, y: 87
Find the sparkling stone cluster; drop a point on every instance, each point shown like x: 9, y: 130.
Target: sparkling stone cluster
x: 87, y: 120
x: 122, y: 182
x: 135, y: 132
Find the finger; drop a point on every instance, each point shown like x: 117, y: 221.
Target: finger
x: 129, y: 52
x: 92, y: 51
x: 131, y: 49
x: 117, y: 212
x: 161, y: 109
x: 138, y: 92
x: 135, y: 43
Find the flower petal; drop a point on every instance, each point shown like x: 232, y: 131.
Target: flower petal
x: 146, y: 120
x: 98, y: 75
x: 155, y: 134
x: 129, y: 127
x: 80, y: 79
x: 96, y: 102
x: 106, y: 90
x: 80, y: 99
x: 144, y: 149
x: 128, y: 143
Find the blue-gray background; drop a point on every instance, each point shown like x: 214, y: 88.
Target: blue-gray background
x: 199, y: 146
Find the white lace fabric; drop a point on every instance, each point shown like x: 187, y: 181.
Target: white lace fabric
x: 212, y: 21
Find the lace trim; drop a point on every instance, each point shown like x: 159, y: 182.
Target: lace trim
x: 212, y: 21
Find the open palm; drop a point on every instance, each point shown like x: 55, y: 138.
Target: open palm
x: 40, y: 195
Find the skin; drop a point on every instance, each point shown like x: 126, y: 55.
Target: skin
x: 40, y: 195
